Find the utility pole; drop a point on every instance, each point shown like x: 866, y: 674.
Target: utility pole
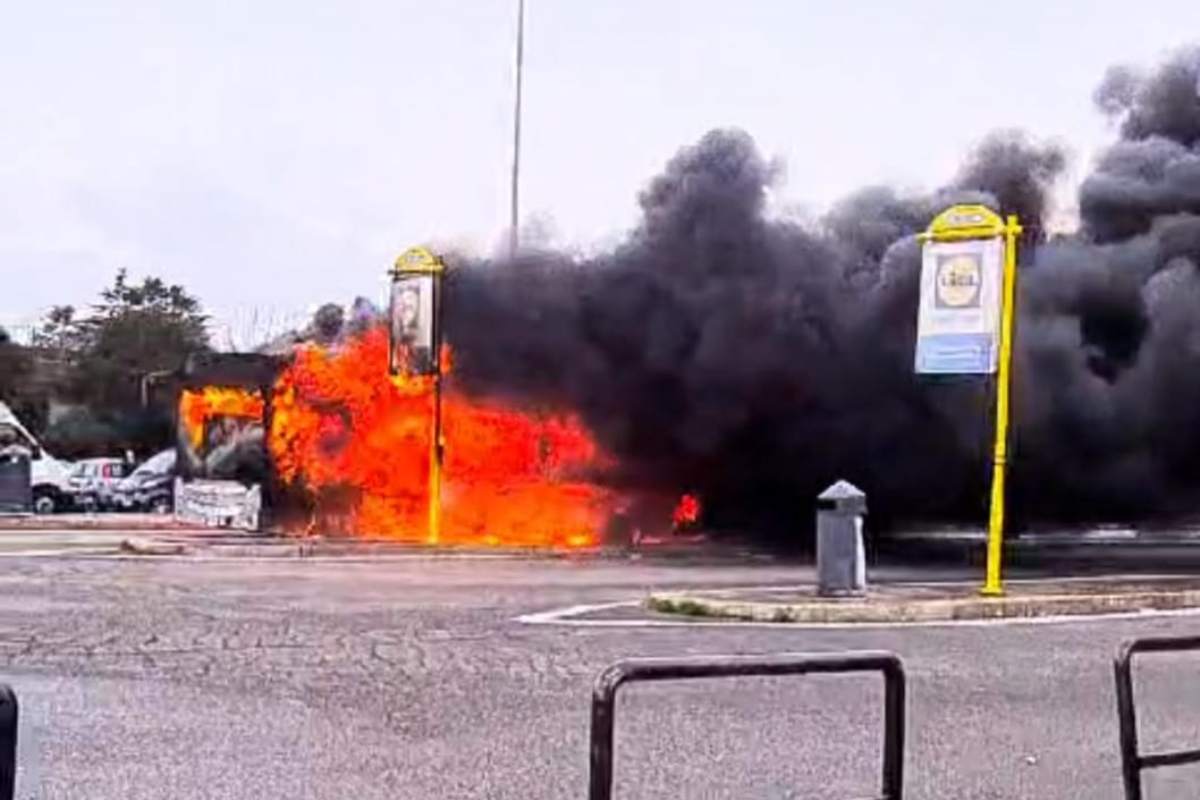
x: 513, y: 242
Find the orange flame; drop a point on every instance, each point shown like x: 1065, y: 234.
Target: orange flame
x: 198, y: 406
x: 509, y: 478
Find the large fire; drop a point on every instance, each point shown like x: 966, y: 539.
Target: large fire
x: 360, y: 440
x: 198, y: 406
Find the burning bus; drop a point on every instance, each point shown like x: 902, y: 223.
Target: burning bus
x: 366, y: 432
x: 326, y: 441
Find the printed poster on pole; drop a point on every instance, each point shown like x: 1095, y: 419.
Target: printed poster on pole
x: 958, y: 322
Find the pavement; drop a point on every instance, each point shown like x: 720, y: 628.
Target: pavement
x: 106, y: 535
x: 471, y: 678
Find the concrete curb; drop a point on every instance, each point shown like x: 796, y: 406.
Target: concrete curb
x: 893, y: 610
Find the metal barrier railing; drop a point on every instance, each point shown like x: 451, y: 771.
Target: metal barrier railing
x: 604, y: 699
x: 1132, y: 761
x: 604, y: 704
x: 8, y: 743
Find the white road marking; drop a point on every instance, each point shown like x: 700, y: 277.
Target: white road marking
x: 561, y: 616
x: 569, y: 615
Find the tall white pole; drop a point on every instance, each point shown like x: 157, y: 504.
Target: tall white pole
x: 514, y: 241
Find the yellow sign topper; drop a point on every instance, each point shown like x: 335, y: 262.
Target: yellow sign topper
x: 965, y: 222
x: 420, y: 260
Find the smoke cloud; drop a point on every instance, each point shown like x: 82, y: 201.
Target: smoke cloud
x: 756, y: 359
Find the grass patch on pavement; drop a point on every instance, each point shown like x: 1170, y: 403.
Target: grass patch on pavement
x: 687, y: 607
x: 684, y: 606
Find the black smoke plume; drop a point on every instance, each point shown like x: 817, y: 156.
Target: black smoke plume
x: 755, y: 359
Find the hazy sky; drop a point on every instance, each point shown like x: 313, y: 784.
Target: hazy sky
x: 271, y: 155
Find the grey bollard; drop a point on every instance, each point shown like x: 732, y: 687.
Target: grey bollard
x: 16, y: 485
x: 841, y: 560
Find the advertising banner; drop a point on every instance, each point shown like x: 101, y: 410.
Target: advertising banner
x: 958, y: 323
x: 412, y: 321
x: 218, y: 504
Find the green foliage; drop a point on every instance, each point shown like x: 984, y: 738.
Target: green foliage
x: 136, y: 330
x: 16, y: 370
x: 683, y: 605
x: 79, y: 432
x: 59, y: 332
x: 15, y: 367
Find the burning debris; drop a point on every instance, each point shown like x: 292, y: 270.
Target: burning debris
x: 686, y: 513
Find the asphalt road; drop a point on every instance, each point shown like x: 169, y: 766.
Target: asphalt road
x: 412, y: 679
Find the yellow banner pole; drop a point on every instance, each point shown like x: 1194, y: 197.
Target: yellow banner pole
x: 437, y: 454
x: 435, y: 459
x: 420, y: 260
x: 993, y: 586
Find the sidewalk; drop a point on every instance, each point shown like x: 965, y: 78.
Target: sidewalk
x: 104, y: 534
x: 937, y: 602
x: 109, y: 539
x: 108, y: 521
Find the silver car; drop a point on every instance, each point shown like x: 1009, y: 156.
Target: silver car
x: 93, y: 481
x: 150, y: 487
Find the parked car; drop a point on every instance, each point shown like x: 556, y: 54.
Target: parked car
x: 150, y: 487
x: 94, y: 481
x: 50, y: 476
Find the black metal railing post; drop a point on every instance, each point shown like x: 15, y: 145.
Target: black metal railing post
x: 604, y: 699
x: 8, y: 743
x: 1132, y: 761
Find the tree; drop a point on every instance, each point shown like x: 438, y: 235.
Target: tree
x: 137, y: 329
x: 15, y: 367
x: 17, y: 384
x: 59, y: 332
x: 327, y: 323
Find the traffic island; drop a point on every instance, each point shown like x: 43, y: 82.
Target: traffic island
x: 934, y: 602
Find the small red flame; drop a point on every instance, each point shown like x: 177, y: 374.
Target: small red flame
x: 687, y: 512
